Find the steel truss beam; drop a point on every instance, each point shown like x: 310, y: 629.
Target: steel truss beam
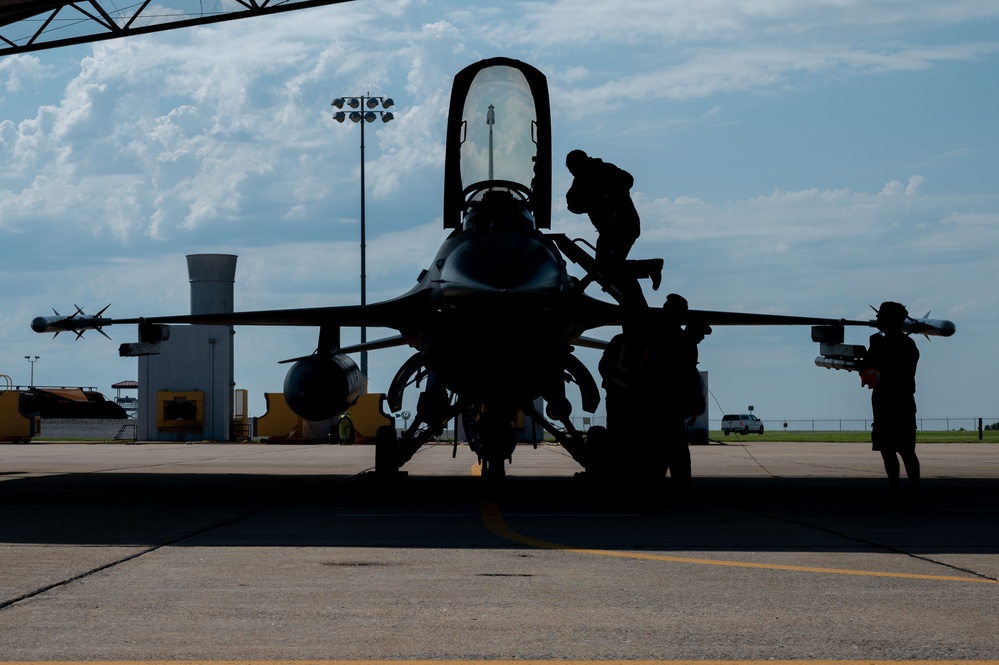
x: 35, y: 25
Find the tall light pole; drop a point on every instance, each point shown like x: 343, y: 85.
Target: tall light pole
x: 32, y: 361
x: 362, y: 116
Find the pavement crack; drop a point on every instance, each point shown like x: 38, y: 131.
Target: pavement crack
x: 881, y: 546
x: 4, y: 604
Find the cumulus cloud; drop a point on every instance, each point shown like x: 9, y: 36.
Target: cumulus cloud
x: 220, y: 139
x: 896, y: 188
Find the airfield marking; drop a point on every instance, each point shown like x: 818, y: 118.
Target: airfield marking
x: 505, y: 662
x: 493, y: 520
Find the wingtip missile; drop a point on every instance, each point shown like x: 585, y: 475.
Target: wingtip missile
x: 924, y: 326
x: 78, y: 322
x: 927, y: 327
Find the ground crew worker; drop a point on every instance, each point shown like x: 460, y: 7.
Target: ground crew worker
x: 622, y: 367
x: 889, y: 370
x: 697, y: 330
x: 675, y: 392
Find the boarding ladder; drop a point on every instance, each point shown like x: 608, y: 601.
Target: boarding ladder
x: 573, y: 251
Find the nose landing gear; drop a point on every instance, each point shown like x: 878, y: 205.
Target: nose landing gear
x: 492, y: 438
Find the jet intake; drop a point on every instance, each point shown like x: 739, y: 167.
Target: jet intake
x: 320, y: 387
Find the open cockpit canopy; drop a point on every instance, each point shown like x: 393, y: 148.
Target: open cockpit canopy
x: 498, y: 156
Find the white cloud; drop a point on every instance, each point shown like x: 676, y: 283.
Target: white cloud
x: 18, y: 72
x: 896, y: 188
x: 220, y: 139
x: 592, y: 22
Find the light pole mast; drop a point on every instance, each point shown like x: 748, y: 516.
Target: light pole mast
x: 32, y: 361
x: 363, y: 116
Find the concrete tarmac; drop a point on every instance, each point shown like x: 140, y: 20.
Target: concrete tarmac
x: 248, y: 552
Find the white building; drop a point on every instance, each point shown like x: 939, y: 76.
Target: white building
x: 186, y: 390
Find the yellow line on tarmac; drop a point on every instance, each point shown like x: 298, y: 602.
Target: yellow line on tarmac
x: 495, y: 524
x: 506, y: 662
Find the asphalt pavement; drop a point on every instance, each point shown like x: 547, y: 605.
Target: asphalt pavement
x: 250, y: 552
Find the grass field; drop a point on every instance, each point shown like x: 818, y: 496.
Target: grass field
x: 960, y: 436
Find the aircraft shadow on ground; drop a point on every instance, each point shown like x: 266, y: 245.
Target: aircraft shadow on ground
x: 723, y: 514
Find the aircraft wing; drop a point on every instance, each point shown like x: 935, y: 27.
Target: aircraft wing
x: 716, y: 318
x: 912, y: 325
x: 601, y: 313
x: 404, y: 314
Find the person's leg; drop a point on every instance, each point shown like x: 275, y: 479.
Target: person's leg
x: 648, y: 269
x: 678, y: 455
x: 912, y: 471
x: 892, y: 469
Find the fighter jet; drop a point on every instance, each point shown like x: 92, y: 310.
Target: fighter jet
x: 494, y: 319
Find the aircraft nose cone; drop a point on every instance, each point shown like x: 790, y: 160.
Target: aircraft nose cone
x: 39, y: 324
x: 501, y: 263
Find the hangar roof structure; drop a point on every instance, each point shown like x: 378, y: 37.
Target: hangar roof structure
x: 35, y: 25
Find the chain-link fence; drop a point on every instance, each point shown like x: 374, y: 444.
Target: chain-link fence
x: 832, y: 424
x: 864, y: 425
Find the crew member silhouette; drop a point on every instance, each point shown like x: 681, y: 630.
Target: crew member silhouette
x: 697, y: 330
x: 889, y: 369
x: 675, y: 392
x: 602, y: 191
x: 652, y: 386
x: 623, y: 368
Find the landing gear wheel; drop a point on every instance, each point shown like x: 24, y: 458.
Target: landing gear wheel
x: 599, y: 452
x: 386, y: 451
x: 493, y: 469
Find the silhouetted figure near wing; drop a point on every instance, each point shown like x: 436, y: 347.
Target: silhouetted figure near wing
x: 889, y: 369
x: 602, y: 191
x: 675, y: 391
x: 623, y: 368
x: 697, y: 330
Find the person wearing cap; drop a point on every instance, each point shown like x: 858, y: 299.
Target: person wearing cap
x: 889, y: 370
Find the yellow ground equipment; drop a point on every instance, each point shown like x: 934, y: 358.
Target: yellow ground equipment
x: 15, y: 425
x: 358, y: 425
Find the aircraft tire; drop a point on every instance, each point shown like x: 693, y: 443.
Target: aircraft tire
x: 493, y: 469
x: 598, y: 449
x: 386, y: 450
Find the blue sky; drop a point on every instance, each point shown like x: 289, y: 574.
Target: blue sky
x: 808, y: 158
